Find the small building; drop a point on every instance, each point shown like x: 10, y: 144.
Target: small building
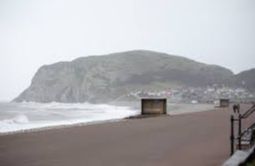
x: 224, y: 102
x: 153, y: 106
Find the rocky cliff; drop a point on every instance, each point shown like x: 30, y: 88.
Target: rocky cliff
x: 105, y: 78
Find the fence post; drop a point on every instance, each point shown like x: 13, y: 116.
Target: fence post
x: 232, y: 138
x: 239, y: 131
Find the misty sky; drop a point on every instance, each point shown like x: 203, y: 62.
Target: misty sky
x: 38, y: 32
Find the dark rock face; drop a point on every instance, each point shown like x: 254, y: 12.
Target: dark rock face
x: 105, y: 78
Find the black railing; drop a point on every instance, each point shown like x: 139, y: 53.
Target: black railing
x: 248, y: 112
x: 240, y: 134
x: 247, y: 130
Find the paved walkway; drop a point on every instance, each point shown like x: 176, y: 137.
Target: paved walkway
x: 197, y: 139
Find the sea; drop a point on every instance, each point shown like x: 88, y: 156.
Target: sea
x: 30, y: 116
x: 19, y: 117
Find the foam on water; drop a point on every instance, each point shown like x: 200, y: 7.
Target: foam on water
x: 28, y: 115
x: 24, y: 116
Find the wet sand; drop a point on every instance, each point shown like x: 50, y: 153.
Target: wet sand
x: 195, y: 139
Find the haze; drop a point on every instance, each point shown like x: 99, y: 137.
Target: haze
x: 34, y: 33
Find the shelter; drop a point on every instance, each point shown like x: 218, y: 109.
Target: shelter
x: 153, y: 106
x: 224, y: 102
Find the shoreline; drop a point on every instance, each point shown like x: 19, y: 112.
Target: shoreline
x: 57, y: 127
x: 24, y: 122
x: 81, y: 124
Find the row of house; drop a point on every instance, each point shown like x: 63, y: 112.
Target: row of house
x: 208, y: 94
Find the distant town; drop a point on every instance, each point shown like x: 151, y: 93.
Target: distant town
x: 209, y: 94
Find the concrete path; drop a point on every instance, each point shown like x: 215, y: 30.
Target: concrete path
x: 197, y: 139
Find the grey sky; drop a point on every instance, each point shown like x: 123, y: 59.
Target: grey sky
x: 37, y: 32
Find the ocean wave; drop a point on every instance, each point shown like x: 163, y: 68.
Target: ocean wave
x: 29, y: 115
x: 74, y: 106
x: 20, y: 119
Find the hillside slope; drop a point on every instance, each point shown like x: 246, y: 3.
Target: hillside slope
x: 245, y: 79
x: 105, y: 78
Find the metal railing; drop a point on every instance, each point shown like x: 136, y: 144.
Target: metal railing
x: 241, y: 133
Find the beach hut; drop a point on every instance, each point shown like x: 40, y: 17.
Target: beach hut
x: 153, y: 106
x: 224, y: 102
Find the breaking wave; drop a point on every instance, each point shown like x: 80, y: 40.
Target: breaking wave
x: 28, y: 115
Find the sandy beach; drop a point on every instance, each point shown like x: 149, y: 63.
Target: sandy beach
x: 199, y: 139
